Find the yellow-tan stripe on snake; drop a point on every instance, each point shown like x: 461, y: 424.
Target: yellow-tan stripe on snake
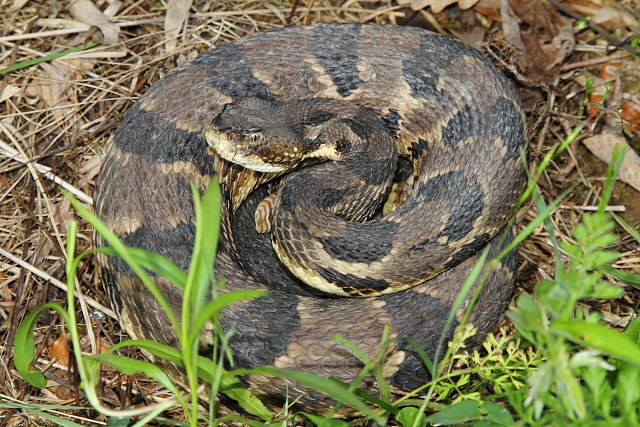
x: 376, y: 160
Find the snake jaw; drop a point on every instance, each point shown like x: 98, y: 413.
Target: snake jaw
x: 246, y: 150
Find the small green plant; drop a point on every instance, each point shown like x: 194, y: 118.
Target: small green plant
x: 568, y: 386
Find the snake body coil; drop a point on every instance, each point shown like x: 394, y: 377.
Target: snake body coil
x: 354, y: 160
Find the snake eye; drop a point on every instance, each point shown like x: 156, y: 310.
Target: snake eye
x: 254, y: 137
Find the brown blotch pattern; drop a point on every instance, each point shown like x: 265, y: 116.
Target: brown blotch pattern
x: 133, y: 192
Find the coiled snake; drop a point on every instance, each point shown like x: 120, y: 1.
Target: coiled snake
x: 405, y: 150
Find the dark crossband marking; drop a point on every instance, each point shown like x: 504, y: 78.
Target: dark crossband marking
x: 336, y: 53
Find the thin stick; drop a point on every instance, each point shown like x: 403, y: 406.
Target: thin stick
x: 595, y: 61
x: 57, y: 283
x: 53, y: 411
x: 611, y: 208
x: 7, y: 151
x: 79, y: 29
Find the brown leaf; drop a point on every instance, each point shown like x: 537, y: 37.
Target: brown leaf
x: 590, y: 7
x: 59, y: 89
x: 631, y: 115
x: 609, y: 17
x: 17, y: 5
x: 89, y: 169
x: 62, y: 214
x: 102, y: 347
x: 177, y: 11
x: 437, y: 5
x: 466, y: 4
x: 602, y: 146
x: 60, y: 350
x: 8, y: 91
x: 562, y: 44
x: 415, y: 4
x: 511, y: 30
x: 546, y: 34
x: 490, y: 9
x: 626, y: 70
x: 85, y: 11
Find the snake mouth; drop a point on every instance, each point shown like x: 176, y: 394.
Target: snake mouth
x: 242, y: 149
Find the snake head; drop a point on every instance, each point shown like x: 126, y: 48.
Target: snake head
x: 255, y: 133
x: 268, y: 136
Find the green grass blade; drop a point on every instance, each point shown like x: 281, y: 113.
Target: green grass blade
x: 160, y: 408
x: 229, y: 385
x: 213, y: 307
x: 199, y: 283
x: 423, y: 355
x: 59, y: 421
x: 247, y: 400
x: 546, y: 160
x: 333, y: 389
x: 628, y: 278
x: 24, y: 349
x: 151, y: 261
x: 627, y: 227
x: 612, y: 174
x: 540, y: 217
x: 370, y: 364
x: 541, y: 206
x: 132, y: 367
x: 47, y: 58
x: 207, y: 211
x: 38, y: 410
x: 238, y: 420
x: 123, y: 251
x: 457, y: 303
x: 324, y: 421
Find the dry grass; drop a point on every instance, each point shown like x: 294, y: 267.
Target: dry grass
x: 56, y: 117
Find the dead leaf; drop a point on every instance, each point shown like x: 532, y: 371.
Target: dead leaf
x: 609, y: 17
x: 547, y: 36
x: 511, y: 30
x: 177, y: 11
x: 466, y: 4
x: 60, y: 350
x: 62, y: 23
x: 43, y: 249
x: 89, y: 170
x: 415, y: 4
x: 17, y: 5
x: 608, y: 71
x: 473, y: 38
x: 62, y: 214
x: 58, y: 87
x: 590, y: 7
x: 437, y: 6
x: 8, y: 91
x: 85, y: 11
x: 602, y: 146
x: 112, y: 8
x: 102, y: 347
x: 631, y: 116
x: 562, y: 44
